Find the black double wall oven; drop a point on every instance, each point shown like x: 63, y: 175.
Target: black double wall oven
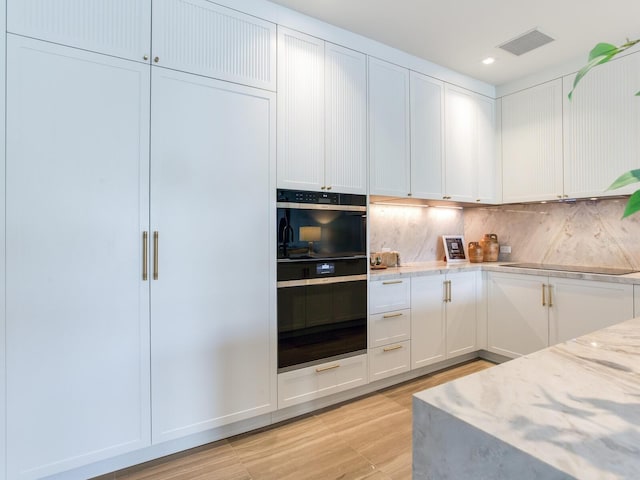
x: 322, y: 277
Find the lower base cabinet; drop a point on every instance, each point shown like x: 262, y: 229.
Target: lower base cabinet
x: 527, y: 313
x: 311, y: 383
x: 389, y: 360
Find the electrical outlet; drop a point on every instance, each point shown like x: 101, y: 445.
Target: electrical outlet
x: 505, y: 248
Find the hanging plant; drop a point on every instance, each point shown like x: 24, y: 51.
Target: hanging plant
x: 602, y: 53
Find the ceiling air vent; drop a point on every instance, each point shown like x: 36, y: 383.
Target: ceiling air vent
x: 526, y: 42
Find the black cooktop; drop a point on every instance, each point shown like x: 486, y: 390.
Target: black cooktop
x: 574, y: 268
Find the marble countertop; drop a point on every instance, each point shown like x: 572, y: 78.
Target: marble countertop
x: 568, y: 411
x: 436, y: 268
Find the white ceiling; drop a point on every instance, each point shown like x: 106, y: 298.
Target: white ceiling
x: 458, y: 34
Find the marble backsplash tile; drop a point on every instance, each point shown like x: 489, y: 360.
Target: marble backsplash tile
x: 589, y: 233
x: 413, y: 231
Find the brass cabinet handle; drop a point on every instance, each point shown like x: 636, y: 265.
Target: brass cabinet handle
x: 156, y: 59
x: 324, y: 369
x: 155, y: 255
x: 329, y: 188
x: 145, y: 253
x: 392, y: 315
x: 392, y: 282
x: 322, y: 187
x: 389, y: 349
x: 544, y: 300
x: 409, y: 194
x: 145, y: 57
x: 550, y: 295
x: 449, y: 289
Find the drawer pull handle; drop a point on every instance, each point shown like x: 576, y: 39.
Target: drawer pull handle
x: 392, y: 282
x: 324, y: 369
x: 550, y: 296
x: 392, y: 315
x: 389, y: 349
x: 544, y: 300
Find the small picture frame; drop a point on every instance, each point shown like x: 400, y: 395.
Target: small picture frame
x: 454, y: 248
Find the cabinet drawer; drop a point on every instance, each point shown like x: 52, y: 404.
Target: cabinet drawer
x: 390, y: 327
x: 305, y: 384
x: 389, y: 295
x: 389, y: 360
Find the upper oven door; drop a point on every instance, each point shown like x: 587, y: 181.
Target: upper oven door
x: 312, y: 231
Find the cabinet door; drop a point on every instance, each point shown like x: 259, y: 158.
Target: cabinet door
x: 517, y: 315
x: 489, y: 174
x: 121, y: 28
x: 213, y: 206
x: 300, y: 111
x: 427, y: 320
x: 601, y: 125
x: 532, y: 144
x: 389, y: 120
x: 578, y: 307
x: 427, y: 137
x: 198, y: 36
x: 461, y: 314
x: 345, y: 120
x: 77, y: 308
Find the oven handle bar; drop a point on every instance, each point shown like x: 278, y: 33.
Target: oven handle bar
x: 321, y: 206
x: 321, y: 281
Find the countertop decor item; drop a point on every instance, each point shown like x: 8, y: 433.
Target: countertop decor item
x: 476, y: 254
x: 490, y: 247
x: 454, y: 248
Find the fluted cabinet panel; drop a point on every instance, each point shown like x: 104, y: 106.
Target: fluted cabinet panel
x: 427, y: 137
x: 488, y: 179
x: 115, y: 27
x: 389, y: 129
x: 602, y: 128
x: 346, y: 120
x: 300, y: 111
x: 198, y: 36
x: 532, y: 144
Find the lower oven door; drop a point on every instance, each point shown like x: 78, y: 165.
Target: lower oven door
x: 317, y: 321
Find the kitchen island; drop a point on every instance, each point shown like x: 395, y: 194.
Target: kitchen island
x: 569, y: 411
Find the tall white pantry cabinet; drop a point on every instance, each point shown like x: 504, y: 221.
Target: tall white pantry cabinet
x: 127, y: 269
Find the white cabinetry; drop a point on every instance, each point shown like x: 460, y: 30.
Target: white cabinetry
x: 305, y: 384
x: 577, y: 307
x: 517, y: 319
x: 77, y: 307
x: 471, y: 167
x: 532, y: 144
x: 213, y: 325
x: 321, y: 115
x: 121, y: 28
x: 529, y: 312
x: 427, y: 137
x: 443, y: 317
x: 389, y: 129
x: 601, y: 125
x: 389, y: 328
x: 198, y: 36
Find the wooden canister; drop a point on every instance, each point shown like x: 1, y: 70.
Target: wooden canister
x: 490, y: 247
x: 476, y: 254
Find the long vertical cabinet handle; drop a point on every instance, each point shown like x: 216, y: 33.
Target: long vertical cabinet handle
x: 145, y: 253
x: 544, y: 298
x: 549, y: 287
x: 155, y: 255
x: 449, y: 282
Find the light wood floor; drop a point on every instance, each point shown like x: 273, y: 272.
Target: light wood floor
x: 367, y: 438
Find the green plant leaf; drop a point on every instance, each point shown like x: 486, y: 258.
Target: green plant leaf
x: 633, y: 205
x: 594, y: 62
x: 625, y: 179
x: 600, y: 50
x: 638, y: 94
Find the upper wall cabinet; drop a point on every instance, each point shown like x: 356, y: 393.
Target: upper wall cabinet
x: 427, y: 137
x: 321, y: 115
x: 532, y: 144
x: 200, y: 37
x: 389, y: 129
x: 601, y: 128
x: 121, y: 28
x: 471, y: 166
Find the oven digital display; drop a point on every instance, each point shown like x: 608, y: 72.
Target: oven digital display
x: 325, y: 268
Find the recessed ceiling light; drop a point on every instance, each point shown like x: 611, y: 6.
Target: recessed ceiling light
x: 488, y: 60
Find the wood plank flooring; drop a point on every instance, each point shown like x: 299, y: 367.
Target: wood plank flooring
x: 368, y: 438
